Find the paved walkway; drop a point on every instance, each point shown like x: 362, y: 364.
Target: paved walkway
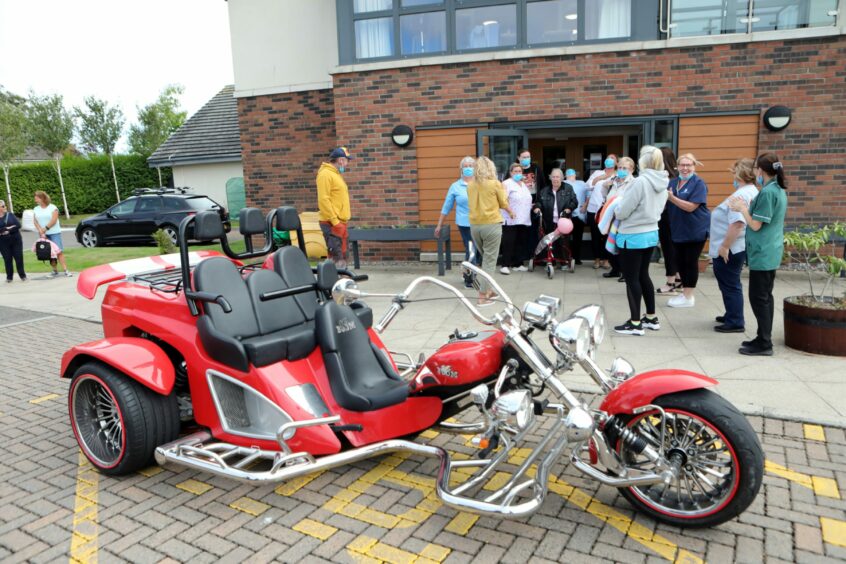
x: 791, y: 384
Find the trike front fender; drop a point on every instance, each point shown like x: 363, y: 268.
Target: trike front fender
x: 140, y: 359
x: 645, y: 387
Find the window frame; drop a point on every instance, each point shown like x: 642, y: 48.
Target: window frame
x: 347, y: 42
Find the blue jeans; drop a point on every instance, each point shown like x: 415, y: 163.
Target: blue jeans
x: 728, y: 278
x: 466, y: 238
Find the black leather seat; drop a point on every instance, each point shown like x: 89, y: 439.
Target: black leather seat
x: 255, y: 332
x: 360, y: 375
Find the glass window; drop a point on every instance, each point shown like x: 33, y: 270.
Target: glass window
x: 486, y: 27
x: 791, y: 14
x: 126, y: 207
x: 410, y: 3
x: 711, y: 17
x: 423, y: 33
x: 149, y: 204
x: 364, y: 6
x: 374, y: 38
x: 201, y: 203
x: 174, y: 204
x: 665, y: 132
x: 606, y: 19
x: 552, y: 21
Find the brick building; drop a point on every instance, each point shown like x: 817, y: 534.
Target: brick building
x: 572, y: 79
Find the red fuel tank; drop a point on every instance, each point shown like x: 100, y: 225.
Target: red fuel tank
x: 469, y: 358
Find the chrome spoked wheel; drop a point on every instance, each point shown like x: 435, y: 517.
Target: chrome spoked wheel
x: 89, y: 238
x: 98, y: 421
x: 708, y: 467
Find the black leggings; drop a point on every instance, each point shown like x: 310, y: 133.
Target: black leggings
x: 687, y: 257
x: 513, y: 241
x: 635, y: 266
x: 597, y: 239
x: 667, y: 248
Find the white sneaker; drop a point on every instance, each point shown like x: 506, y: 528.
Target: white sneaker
x: 505, y: 270
x: 681, y: 301
x: 521, y: 268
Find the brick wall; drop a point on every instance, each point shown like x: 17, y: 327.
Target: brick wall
x: 284, y: 138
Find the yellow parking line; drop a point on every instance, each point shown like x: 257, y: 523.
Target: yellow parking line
x: 814, y: 432
x: 826, y: 487
x: 293, y: 486
x: 366, y: 549
x: 833, y: 531
x: 249, y: 506
x: 315, y: 529
x: 84, y: 538
x: 195, y: 487
x: 42, y: 399
x: 150, y: 471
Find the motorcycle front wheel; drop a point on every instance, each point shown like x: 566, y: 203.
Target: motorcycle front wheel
x: 722, y: 463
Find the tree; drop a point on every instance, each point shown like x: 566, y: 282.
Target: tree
x: 157, y: 121
x: 51, y: 127
x: 100, y: 128
x: 12, y: 140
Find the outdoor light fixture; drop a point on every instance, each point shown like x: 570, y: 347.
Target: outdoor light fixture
x: 402, y: 136
x: 777, y: 118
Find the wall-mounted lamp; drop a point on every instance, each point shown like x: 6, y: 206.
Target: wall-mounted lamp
x: 402, y: 135
x: 777, y: 118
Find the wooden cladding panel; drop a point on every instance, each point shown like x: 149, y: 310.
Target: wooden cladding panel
x: 718, y: 141
x: 439, y: 152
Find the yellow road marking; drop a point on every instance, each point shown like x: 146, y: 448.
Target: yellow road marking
x: 293, y: 486
x: 195, y: 487
x: 42, y: 399
x: 366, y: 549
x: 151, y: 471
x: 833, y: 531
x: 249, y: 506
x: 84, y: 539
x: 814, y: 432
x: 315, y: 529
x: 461, y: 523
x: 826, y: 487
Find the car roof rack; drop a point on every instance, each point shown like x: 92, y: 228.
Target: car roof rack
x: 162, y: 190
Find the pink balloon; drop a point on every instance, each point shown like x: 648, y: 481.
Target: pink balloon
x: 565, y: 226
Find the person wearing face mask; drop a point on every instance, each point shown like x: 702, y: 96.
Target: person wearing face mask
x: 616, y: 188
x: 597, y: 184
x: 457, y: 198
x: 673, y: 284
x: 333, y: 204
x: 764, y: 247
x: 579, y: 214
x: 515, y: 229
x: 689, y: 224
x: 557, y: 201
x: 728, y: 247
x: 535, y: 182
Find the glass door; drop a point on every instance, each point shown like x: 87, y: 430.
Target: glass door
x: 501, y: 146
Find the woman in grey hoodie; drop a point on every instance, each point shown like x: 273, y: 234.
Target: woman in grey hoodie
x: 639, y: 210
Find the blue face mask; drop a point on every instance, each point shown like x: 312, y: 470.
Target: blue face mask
x: 760, y: 180
x: 525, y: 163
x: 685, y: 176
x: 341, y: 169
x: 736, y: 184
x: 622, y: 173
x: 517, y: 177
x: 609, y: 163
x: 467, y: 171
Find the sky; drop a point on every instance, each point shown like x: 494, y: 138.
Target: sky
x: 122, y: 51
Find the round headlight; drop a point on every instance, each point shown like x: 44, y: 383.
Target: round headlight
x: 514, y: 408
x: 595, y: 316
x: 571, y: 336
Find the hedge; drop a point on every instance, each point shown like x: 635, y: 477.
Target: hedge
x: 89, y: 186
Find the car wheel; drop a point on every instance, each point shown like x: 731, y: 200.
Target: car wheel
x: 89, y: 238
x: 118, y: 423
x: 172, y: 232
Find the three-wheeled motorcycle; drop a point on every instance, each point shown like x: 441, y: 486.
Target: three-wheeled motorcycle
x: 267, y: 371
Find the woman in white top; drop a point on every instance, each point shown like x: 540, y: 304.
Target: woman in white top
x: 597, y: 184
x: 516, y: 229
x: 46, y: 217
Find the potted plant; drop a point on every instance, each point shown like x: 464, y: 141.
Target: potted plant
x: 816, y: 322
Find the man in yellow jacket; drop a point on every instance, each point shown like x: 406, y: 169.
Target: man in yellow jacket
x: 333, y: 203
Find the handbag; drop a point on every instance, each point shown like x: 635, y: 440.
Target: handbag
x: 43, y: 249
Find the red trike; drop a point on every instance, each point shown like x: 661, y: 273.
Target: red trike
x: 265, y: 372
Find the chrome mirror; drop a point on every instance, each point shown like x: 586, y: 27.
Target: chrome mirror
x: 345, y: 291
x: 621, y: 369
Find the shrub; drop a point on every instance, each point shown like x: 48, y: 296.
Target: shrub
x: 88, y: 181
x: 163, y: 241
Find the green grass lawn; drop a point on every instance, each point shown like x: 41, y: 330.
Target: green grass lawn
x: 80, y: 258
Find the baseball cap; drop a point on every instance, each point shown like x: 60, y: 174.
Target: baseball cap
x: 570, y: 172
x: 340, y: 152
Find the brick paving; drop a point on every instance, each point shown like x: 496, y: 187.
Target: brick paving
x: 341, y: 516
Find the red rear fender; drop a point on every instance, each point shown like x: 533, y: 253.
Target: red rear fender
x: 139, y: 359
x: 644, y: 388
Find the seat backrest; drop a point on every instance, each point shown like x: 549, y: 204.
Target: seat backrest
x: 251, y: 221
x: 218, y: 275
x: 208, y: 226
x: 275, y: 314
x: 292, y: 265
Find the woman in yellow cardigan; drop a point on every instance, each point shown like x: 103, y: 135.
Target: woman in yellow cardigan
x: 486, y: 197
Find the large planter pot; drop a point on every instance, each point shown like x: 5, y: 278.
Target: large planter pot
x: 814, y: 330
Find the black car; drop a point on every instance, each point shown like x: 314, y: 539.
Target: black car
x: 135, y: 219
